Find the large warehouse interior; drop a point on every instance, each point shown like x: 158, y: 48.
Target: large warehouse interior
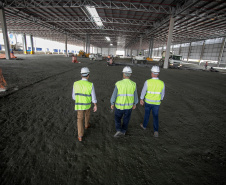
x: 45, y: 44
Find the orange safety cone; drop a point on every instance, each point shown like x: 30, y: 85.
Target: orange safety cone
x: 3, y: 83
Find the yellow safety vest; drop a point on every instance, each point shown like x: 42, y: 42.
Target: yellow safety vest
x: 154, y: 91
x: 82, y: 90
x: 125, y: 96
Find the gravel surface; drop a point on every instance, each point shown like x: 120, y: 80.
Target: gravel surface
x: 39, y: 142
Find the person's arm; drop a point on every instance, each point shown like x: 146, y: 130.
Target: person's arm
x: 143, y: 93
x: 73, y: 93
x: 94, y: 99
x: 163, y: 92
x: 135, y: 98
x: 113, y: 97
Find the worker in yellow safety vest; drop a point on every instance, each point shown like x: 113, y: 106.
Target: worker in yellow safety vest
x: 152, y: 93
x: 84, y: 93
x: 124, y: 99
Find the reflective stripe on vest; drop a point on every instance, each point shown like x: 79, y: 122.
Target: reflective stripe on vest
x: 124, y: 104
x: 125, y: 96
x: 82, y: 94
x: 82, y: 103
x: 82, y: 90
x: 154, y: 91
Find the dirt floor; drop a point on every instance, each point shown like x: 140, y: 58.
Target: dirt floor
x: 39, y: 143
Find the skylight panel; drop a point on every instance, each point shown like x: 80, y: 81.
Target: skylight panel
x: 93, y: 12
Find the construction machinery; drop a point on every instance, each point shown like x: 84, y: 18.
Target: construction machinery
x: 91, y: 56
x: 98, y: 56
x: 139, y: 59
x: 83, y: 54
x: 175, y: 61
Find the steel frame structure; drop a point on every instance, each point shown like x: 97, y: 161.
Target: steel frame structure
x: 195, y: 20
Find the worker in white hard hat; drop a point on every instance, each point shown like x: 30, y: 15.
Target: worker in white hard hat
x: 84, y: 93
x: 152, y: 94
x: 124, y: 99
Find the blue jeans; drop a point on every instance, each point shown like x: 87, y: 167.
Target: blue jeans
x: 155, y: 113
x: 118, y: 116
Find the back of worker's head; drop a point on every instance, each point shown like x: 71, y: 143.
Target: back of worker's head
x: 85, y: 71
x: 155, y: 70
x: 127, y: 71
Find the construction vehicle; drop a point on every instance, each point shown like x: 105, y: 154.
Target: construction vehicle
x: 175, y: 61
x: 139, y: 59
x: 83, y: 54
x: 91, y: 56
x: 98, y: 56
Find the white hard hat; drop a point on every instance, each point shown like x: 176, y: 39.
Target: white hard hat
x: 127, y: 69
x: 155, y: 69
x: 85, y: 71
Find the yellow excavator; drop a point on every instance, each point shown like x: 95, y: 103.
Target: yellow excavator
x: 83, y: 54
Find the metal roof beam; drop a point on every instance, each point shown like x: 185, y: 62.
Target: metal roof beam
x: 36, y: 20
x: 131, y: 6
x: 89, y: 19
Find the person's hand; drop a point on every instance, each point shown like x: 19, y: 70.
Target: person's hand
x: 134, y: 106
x: 142, y: 102
x: 94, y: 108
x: 112, y: 107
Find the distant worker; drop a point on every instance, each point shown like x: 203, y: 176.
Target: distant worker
x: 140, y: 53
x: 84, y: 93
x: 153, y: 92
x: 124, y: 99
x: 3, y: 83
x: 206, y: 64
x: 74, y: 58
x: 109, y: 60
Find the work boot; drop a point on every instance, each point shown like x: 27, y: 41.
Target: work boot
x: 141, y: 125
x: 156, y: 134
x: 80, y: 138
x: 88, y: 126
x: 118, y: 134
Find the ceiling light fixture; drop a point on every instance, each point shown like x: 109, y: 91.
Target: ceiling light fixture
x: 93, y: 12
x: 108, y: 38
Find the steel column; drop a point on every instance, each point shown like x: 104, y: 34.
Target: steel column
x: 32, y: 45
x: 201, y: 54
x: 150, y: 51
x: 221, y: 52
x: 141, y: 38
x: 5, y: 33
x: 66, y: 44
x: 87, y: 43
x: 24, y: 44
x: 189, y: 51
x: 16, y: 41
x: 180, y: 50
x: 170, y: 34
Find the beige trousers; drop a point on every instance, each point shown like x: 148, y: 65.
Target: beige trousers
x: 80, y: 121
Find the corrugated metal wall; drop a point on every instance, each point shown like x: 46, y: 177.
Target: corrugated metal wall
x: 211, y: 50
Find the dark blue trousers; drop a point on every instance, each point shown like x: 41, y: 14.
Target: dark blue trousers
x: 126, y: 117
x: 155, y: 113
